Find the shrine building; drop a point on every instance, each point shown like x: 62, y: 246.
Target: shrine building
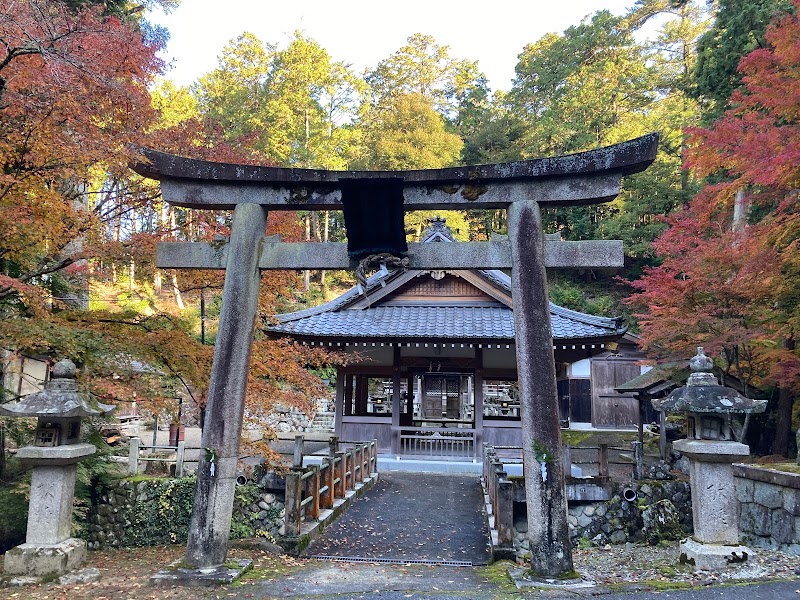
x: 434, y: 368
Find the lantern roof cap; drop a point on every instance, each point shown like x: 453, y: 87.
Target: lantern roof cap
x: 59, y: 398
x: 703, y: 394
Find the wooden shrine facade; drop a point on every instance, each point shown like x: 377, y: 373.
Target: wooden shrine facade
x: 435, y: 372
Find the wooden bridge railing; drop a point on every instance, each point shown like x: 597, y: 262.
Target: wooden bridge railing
x: 502, y: 491
x: 314, y: 488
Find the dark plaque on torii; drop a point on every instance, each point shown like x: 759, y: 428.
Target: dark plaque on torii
x: 520, y: 187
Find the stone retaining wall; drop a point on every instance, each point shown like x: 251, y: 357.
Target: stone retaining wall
x: 662, y: 510
x: 769, y: 508
x: 284, y: 419
x: 157, y: 511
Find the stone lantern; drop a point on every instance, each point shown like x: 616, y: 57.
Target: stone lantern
x: 56, y: 450
x: 711, y: 449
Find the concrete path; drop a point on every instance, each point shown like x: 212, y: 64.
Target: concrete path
x: 410, y: 517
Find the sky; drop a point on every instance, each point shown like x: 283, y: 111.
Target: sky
x: 363, y: 32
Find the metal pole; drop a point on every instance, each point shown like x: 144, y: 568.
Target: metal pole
x: 209, y: 529
x: 551, y: 552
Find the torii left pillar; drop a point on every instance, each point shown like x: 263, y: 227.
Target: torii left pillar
x: 210, y: 525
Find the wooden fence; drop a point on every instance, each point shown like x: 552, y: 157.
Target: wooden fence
x: 135, y: 457
x: 314, y: 488
x: 309, y: 489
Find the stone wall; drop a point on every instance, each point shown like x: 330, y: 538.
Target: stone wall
x: 769, y: 508
x: 285, y: 418
x: 288, y: 418
x: 136, y: 512
x: 661, y: 510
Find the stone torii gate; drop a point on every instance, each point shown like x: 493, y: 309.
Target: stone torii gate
x: 520, y: 187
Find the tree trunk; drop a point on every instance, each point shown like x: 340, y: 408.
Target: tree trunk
x: 783, y: 413
x: 177, y: 291
x: 307, y: 273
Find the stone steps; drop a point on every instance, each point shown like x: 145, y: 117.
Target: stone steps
x: 323, y: 421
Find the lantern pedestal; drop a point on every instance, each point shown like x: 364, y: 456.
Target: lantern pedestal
x: 715, y: 543
x: 42, y: 560
x: 48, y: 547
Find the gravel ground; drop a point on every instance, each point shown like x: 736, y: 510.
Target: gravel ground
x: 633, y: 563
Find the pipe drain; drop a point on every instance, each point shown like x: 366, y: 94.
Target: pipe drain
x: 395, y: 561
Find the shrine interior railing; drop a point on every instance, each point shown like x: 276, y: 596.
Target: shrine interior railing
x: 436, y: 442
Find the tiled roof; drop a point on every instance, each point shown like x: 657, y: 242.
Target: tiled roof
x: 436, y: 322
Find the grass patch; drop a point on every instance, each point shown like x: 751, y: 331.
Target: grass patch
x: 650, y: 585
x: 497, y: 574
x: 270, y: 567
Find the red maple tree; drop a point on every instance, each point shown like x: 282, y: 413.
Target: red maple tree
x: 729, y: 282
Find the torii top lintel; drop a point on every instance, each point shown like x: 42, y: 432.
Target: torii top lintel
x: 585, y: 178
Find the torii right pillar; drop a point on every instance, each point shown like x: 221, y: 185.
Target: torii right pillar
x: 545, y: 496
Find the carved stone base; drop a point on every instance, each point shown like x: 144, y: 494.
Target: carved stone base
x: 713, y: 557
x: 41, y: 560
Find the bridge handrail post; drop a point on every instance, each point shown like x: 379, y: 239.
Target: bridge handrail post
x: 133, y: 456
x: 333, y: 445
x: 312, y: 510
x: 359, y: 470
x: 340, y: 488
x: 297, y: 462
x: 180, y: 456
x: 350, y: 471
x: 602, y: 460
x: 504, y: 511
x: 328, y: 474
x: 291, y: 517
